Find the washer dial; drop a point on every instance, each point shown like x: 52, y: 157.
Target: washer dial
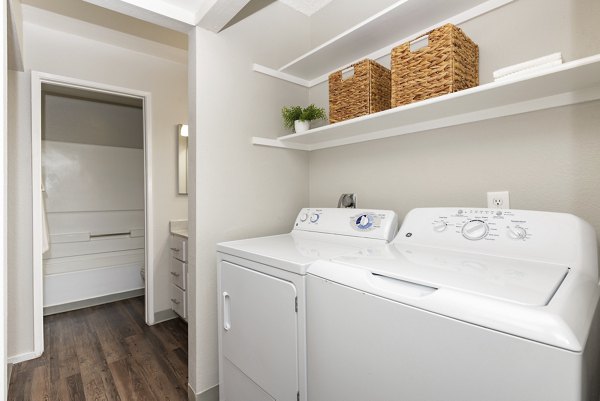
x: 314, y: 218
x: 475, y: 230
x: 303, y: 217
x: 516, y: 232
x: 439, y: 226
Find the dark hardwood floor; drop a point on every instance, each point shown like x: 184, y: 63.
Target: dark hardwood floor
x: 106, y: 352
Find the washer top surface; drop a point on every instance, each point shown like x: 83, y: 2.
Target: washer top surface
x: 523, y: 282
x: 317, y: 234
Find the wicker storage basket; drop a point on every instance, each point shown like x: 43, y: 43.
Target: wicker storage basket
x: 449, y: 63
x: 366, y: 91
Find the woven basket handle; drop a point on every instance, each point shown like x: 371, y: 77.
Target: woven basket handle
x: 347, y: 73
x: 419, y: 43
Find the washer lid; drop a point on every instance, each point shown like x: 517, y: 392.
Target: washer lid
x: 519, y: 281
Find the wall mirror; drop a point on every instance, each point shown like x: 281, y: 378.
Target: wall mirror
x: 182, y: 159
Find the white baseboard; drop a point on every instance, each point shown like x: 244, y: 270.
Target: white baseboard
x: 164, y: 315
x: 9, y: 368
x: 23, y: 357
x: 86, y: 303
x: 212, y: 394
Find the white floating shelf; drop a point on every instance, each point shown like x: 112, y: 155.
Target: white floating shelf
x: 570, y: 83
x: 376, y: 36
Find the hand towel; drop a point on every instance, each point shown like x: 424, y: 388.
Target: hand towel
x: 45, y: 233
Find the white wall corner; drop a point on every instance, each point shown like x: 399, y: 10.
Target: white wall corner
x: 15, y: 35
x: 193, y: 359
x: 3, y: 201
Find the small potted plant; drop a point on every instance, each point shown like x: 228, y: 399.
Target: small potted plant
x: 297, y: 118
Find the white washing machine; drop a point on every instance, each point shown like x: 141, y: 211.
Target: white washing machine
x: 464, y: 305
x: 262, y: 336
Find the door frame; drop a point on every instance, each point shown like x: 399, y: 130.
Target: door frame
x: 37, y: 80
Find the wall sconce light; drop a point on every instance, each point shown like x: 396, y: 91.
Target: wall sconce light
x: 182, y: 158
x: 183, y: 130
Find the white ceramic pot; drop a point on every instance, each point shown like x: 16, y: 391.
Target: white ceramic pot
x: 301, y: 126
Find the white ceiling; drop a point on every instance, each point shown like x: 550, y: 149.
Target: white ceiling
x: 192, y: 7
x: 308, y: 7
x: 181, y: 15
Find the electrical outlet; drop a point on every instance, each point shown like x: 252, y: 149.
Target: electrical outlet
x: 498, y: 200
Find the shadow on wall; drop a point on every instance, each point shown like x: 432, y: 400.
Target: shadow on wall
x: 252, y: 7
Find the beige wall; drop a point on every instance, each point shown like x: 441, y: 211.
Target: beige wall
x: 241, y: 190
x: 548, y: 160
x: 75, y: 120
x: 50, y: 50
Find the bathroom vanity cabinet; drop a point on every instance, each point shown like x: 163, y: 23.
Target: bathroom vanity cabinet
x: 178, y: 274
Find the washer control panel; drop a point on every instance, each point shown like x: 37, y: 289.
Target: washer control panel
x: 558, y: 238
x: 482, y: 224
x: 367, y: 223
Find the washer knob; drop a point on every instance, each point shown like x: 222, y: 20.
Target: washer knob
x: 314, y: 218
x: 475, y: 230
x: 303, y: 217
x: 516, y: 232
x: 439, y: 226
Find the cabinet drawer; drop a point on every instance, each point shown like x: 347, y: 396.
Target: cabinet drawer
x: 179, y: 247
x: 178, y: 273
x: 178, y: 301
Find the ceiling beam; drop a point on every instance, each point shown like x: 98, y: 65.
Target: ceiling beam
x: 216, y: 14
x: 213, y: 15
x: 156, y: 12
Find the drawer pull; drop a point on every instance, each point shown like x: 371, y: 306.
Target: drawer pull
x: 175, y: 249
x: 176, y: 302
x: 175, y: 274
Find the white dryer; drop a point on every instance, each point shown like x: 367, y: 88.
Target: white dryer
x: 262, y: 336
x: 464, y: 305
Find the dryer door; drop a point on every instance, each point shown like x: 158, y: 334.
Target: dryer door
x: 259, y: 334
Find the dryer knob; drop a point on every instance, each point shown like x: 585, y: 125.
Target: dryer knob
x: 364, y: 222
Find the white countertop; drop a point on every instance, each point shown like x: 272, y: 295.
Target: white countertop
x: 179, y: 227
x: 181, y: 232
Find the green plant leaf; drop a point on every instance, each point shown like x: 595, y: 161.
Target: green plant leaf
x: 290, y: 114
x: 293, y: 113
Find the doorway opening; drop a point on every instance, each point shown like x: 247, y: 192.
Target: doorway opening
x: 91, y: 192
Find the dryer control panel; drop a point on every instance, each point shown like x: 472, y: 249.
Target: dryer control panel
x: 547, y: 236
x: 364, y: 223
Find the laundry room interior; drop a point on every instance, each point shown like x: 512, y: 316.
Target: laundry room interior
x: 289, y: 165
